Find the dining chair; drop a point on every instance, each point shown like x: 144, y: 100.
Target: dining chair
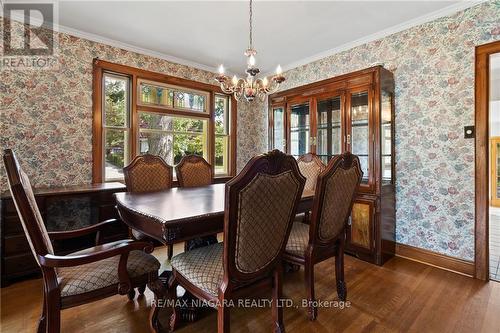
x: 325, y: 236
x: 148, y: 173
x: 193, y: 170
x: 310, y: 165
x: 84, y: 276
x: 260, y: 205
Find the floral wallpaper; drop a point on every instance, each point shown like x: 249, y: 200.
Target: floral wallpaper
x: 46, y: 115
x: 433, y: 65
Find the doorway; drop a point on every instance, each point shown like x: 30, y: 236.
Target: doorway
x: 487, y: 121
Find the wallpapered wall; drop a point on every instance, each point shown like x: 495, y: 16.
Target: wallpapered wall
x: 433, y: 65
x: 46, y: 116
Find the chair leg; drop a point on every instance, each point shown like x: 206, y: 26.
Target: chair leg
x: 170, y: 251
x: 309, y: 271
x: 277, y: 310
x: 42, y: 323
x: 222, y: 318
x: 339, y: 272
x: 141, y: 289
x: 53, y: 314
x: 131, y: 294
x: 172, y: 296
x: 158, y: 289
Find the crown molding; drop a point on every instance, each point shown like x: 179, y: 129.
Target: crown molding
x: 112, y: 42
x: 443, y: 12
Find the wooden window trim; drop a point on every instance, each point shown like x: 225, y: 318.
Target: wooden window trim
x: 136, y: 74
x: 482, y: 87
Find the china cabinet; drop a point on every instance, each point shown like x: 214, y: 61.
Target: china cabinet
x: 352, y: 112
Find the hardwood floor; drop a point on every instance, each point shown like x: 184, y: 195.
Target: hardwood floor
x: 402, y: 296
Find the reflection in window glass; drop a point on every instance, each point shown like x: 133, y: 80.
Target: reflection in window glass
x: 279, y: 128
x: 299, y: 129
x: 329, y: 142
x: 359, y: 130
x: 386, y: 133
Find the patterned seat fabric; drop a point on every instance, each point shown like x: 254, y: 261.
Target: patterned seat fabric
x: 311, y: 171
x: 103, y: 273
x: 203, y: 267
x: 298, y: 240
x: 196, y: 174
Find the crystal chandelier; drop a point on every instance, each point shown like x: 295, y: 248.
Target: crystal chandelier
x: 251, y: 87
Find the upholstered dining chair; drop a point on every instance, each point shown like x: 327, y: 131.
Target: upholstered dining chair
x: 325, y: 236
x: 193, y: 171
x: 148, y: 173
x: 260, y: 205
x: 83, y: 276
x: 310, y: 165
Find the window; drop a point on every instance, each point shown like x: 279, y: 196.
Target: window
x: 138, y: 112
x: 116, y: 129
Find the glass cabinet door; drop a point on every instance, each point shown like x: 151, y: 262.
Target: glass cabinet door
x: 359, y: 138
x: 278, y: 139
x: 329, y: 128
x: 299, y: 129
x: 386, y: 138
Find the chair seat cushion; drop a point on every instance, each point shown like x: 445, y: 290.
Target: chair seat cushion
x: 298, y: 240
x: 104, y: 273
x: 203, y: 267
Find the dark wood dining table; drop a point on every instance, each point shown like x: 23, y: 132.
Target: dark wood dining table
x: 181, y: 213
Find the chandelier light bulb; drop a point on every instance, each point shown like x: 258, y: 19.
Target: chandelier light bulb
x: 221, y: 69
x: 279, y: 71
x: 251, y: 60
x: 264, y: 81
x: 235, y: 80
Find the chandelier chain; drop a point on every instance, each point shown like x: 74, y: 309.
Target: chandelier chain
x: 250, y: 24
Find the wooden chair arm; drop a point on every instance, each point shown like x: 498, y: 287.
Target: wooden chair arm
x: 95, y: 228
x: 101, y: 252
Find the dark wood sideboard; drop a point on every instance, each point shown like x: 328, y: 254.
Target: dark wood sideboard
x: 62, y: 208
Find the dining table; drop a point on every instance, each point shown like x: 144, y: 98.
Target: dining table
x: 190, y: 214
x: 181, y: 213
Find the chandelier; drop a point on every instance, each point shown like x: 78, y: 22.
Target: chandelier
x: 250, y: 87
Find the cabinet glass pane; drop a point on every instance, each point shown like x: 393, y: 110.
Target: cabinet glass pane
x: 299, y: 129
x: 329, y: 140
x: 279, y: 128
x: 386, y: 132
x: 359, y: 130
x: 360, y: 225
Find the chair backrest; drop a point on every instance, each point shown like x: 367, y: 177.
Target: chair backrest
x: 310, y: 165
x: 193, y: 171
x: 334, y: 196
x: 260, y: 206
x: 26, y: 206
x: 148, y: 173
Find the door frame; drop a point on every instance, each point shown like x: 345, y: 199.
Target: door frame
x: 482, y: 177
x: 494, y: 141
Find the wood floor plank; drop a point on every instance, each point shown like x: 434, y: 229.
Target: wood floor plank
x: 401, y: 296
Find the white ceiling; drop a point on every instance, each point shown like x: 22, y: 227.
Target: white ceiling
x: 205, y: 34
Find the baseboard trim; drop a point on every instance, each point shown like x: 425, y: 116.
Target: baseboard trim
x: 452, y: 264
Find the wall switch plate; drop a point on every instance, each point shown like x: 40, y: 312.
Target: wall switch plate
x: 469, y: 132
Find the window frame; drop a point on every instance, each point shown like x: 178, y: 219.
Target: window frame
x: 136, y: 75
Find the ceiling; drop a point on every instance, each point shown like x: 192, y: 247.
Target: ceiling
x: 208, y: 33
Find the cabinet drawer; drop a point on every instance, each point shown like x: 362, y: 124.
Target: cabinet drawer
x: 15, y: 245
x: 24, y: 264
x: 12, y: 225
